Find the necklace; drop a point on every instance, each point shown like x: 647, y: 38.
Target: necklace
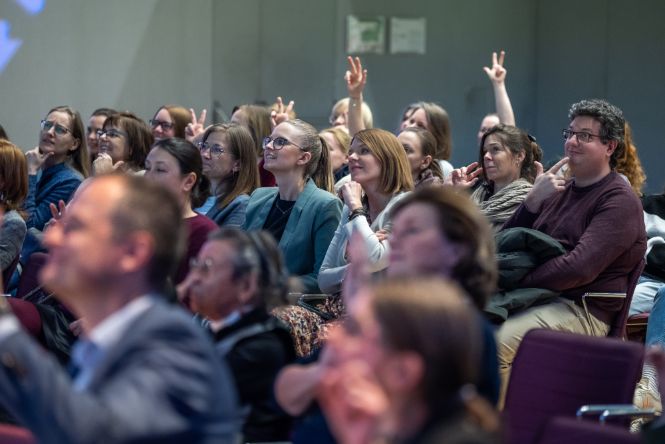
x: 283, y: 211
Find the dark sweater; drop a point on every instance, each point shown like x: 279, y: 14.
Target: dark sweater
x: 198, y: 229
x: 602, y: 228
x: 255, y: 361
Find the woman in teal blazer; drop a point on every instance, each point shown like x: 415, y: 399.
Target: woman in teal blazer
x: 301, y: 212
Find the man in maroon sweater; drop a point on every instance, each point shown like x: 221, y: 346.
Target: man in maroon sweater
x: 597, y: 218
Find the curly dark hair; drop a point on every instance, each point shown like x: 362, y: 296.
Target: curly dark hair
x: 612, y: 123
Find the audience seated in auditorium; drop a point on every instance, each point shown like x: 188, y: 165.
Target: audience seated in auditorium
x: 143, y: 371
x: 176, y: 164
x: 229, y: 162
x: 595, y: 216
x: 300, y: 212
x: 380, y: 176
x: 231, y: 284
x: 123, y: 144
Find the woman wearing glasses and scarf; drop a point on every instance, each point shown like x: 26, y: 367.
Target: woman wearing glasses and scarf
x: 229, y: 161
x: 301, y: 213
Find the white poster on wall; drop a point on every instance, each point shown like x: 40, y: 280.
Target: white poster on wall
x: 365, y: 36
x: 407, y: 35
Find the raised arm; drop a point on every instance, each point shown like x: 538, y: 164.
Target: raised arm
x: 356, y: 78
x: 281, y: 113
x: 497, y: 75
x: 196, y: 126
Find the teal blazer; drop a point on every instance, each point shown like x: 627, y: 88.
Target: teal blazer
x: 308, y: 232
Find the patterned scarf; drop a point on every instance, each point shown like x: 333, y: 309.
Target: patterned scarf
x: 499, y: 207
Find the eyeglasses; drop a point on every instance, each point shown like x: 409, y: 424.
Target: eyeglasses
x: 582, y: 136
x: 111, y: 133
x: 203, y: 266
x: 60, y: 130
x: 215, y: 150
x: 165, y: 125
x: 278, y: 143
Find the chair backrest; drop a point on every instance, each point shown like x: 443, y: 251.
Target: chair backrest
x: 554, y: 373
x: 570, y: 430
x: 618, y: 327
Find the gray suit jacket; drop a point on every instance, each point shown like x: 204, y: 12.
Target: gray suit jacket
x: 162, y: 382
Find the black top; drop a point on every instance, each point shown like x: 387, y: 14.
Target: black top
x: 255, y: 360
x: 278, y: 217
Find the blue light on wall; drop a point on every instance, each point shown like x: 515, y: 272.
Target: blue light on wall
x: 32, y: 7
x: 9, y: 45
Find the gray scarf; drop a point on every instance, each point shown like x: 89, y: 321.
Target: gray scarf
x: 499, y: 207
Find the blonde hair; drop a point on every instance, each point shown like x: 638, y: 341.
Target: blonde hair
x: 318, y: 167
x: 365, y: 112
x: 341, y: 136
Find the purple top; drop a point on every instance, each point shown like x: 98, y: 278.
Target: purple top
x: 602, y: 228
x: 198, y: 228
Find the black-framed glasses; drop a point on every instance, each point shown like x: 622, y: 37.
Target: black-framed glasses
x: 214, y: 149
x: 203, y: 266
x: 582, y: 136
x: 165, y: 125
x: 278, y: 143
x: 110, y: 133
x: 59, y: 130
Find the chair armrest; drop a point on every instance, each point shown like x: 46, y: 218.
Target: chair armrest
x: 605, y: 411
x: 598, y: 295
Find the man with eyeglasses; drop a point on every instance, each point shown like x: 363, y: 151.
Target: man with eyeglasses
x: 596, y: 217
